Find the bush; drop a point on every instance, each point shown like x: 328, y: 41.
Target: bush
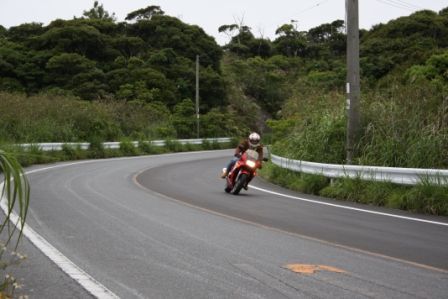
x: 206, y: 145
x: 146, y: 147
x: 33, y: 155
x: 425, y: 198
x: 173, y: 146
x: 127, y: 148
x: 306, y: 183
x: 357, y: 190
x: 96, y: 149
x: 71, y: 152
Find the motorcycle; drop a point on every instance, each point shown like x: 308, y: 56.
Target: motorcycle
x: 242, y: 172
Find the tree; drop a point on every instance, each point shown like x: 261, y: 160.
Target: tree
x: 262, y: 80
x: 128, y: 46
x: 11, y: 56
x: 90, y: 84
x: 3, y: 31
x: 228, y: 30
x: 261, y: 47
x: 98, y: 12
x: 217, y: 123
x: 145, y: 13
x: 290, y: 42
x: 32, y: 71
x: 212, y: 89
x: 435, y: 69
x: 329, y: 37
x: 162, y: 32
x: 184, y: 119
x: 24, y: 32
x: 240, y: 43
x: 64, y: 67
x: 82, y: 39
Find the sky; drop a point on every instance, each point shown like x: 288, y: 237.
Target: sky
x: 262, y: 16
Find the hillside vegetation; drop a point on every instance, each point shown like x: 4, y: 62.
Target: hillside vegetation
x: 95, y: 78
x: 101, y: 74
x: 298, y: 81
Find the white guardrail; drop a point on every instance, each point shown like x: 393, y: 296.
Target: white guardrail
x: 404, y: 176
x: 57, y: 146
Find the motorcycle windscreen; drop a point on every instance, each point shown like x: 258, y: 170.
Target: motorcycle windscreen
x: 252, y: 155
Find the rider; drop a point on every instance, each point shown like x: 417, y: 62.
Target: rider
x: 252, y: 142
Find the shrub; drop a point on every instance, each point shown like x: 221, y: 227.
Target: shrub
x: 173, y: 146
x: 96, y: 149
x: 127, y: 148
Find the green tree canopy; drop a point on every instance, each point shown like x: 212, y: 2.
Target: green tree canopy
x: 98, y: 12
x: 145, y: 13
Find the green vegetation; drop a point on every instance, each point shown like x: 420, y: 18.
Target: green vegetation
x: 33, y: 155
x: 423, y: 198
x: 16, y: 192
x: 94, y: 79
x: 56, y: 118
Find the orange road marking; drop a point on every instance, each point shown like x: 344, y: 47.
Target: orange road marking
x: 311, y: 269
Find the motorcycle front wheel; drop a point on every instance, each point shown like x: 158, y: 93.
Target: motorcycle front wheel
x: 239, y: 184
x: 227, y: 189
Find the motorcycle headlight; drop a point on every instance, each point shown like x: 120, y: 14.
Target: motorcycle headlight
x: 251, y: 164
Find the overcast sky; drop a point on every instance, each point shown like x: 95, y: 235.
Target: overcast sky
x: 263, y: 16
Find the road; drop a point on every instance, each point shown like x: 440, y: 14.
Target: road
x: 162, y: 227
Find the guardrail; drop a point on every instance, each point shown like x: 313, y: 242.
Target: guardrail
x: 57, y: 146
x: 404, y: 176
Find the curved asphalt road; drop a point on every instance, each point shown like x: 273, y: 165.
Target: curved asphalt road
x: 181, y: 236
x: 404, y: 239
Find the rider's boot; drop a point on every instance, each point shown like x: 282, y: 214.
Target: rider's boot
x: 224, y: 173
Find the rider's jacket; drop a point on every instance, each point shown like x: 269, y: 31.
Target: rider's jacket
x: 245, y: 145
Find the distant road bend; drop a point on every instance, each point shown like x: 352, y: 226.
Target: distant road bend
x: 162, y: 227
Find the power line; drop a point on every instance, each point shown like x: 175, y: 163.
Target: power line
x: 294, y: 15
x: 399, y: 5
x: 408, y: 4
x: 394, y: 5
x: 311, y: 7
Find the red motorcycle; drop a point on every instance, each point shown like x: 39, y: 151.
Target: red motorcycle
x: 242, y: 172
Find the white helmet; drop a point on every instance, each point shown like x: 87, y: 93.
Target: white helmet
x: 254, y: 139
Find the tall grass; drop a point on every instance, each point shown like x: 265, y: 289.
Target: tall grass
x: 426, y: 197
x: 407, y: 126
x: 53, y: 118
x: 404, y: 126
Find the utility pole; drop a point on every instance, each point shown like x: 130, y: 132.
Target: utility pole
x: 197, y: 95
x: 353, y: 82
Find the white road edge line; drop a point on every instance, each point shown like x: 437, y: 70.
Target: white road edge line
x: 85, y: 280
x: 349, y: 208
x: 64, y: 263
x: 96, y: 288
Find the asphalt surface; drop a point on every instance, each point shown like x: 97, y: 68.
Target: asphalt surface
x: 162, y: 227
x: 424, y: 243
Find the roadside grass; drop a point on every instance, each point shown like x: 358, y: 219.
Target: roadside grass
x: 33, y: 155
x: 426, y: 197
